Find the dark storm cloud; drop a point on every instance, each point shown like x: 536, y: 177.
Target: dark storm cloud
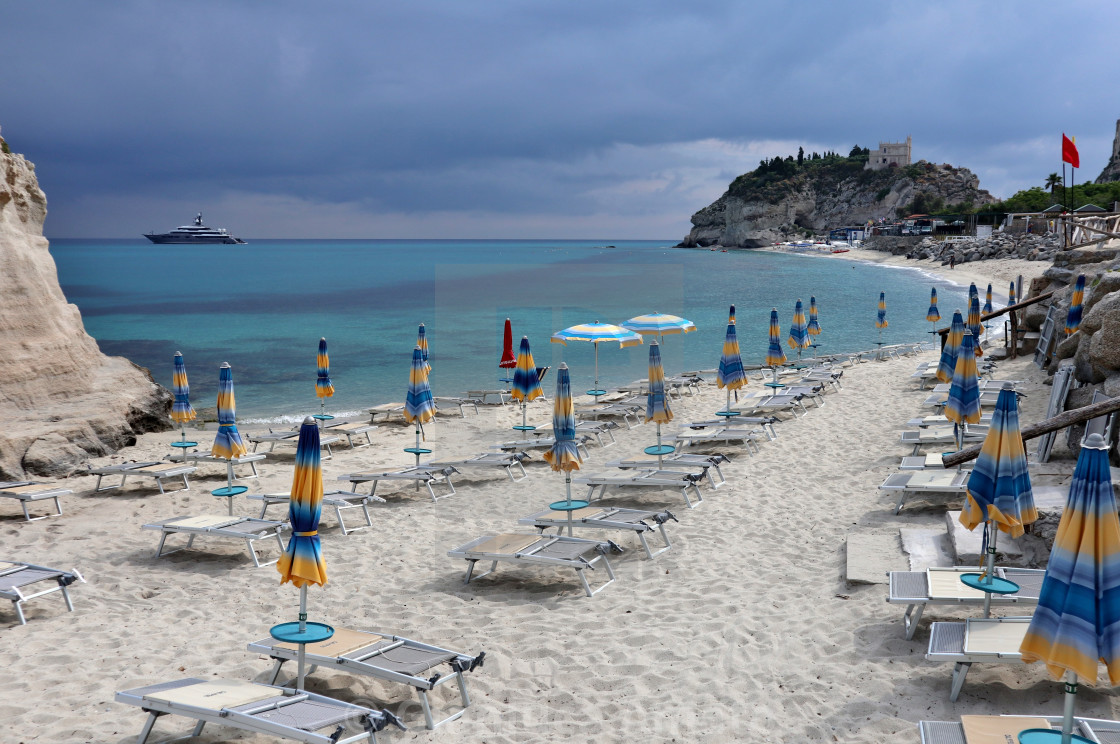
x: 512, y: 116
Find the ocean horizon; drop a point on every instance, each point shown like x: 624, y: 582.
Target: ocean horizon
x: 263, y: 306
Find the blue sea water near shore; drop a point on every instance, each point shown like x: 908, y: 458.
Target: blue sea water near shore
x: 263, y: 306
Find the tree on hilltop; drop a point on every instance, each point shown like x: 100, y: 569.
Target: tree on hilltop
x: 1052, y: 182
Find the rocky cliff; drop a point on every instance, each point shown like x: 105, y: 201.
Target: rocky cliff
x: 773, y: 204
x: 1111, y: 171
x: 61, y: 399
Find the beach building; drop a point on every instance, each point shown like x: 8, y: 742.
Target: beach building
x: 889, y: 154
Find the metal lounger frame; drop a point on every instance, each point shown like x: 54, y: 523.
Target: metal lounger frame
x: 912, y: 589
x: 765, y: 422
x: 272, y: 530
x: 542, y: 443
x: 358, y: 662
x: 947, y: 642
x: 952, y: 732
x: 63, y: 578
x: 527, y: 556
x: 365, y: 429
x: 292, y: 437
x: 246, y: 720
x: 486, y: 459
x: 340, y: 500
x: 680, y: 460
x: 503, y: 395
x: 900, y: 482
x: 605, y: 522
x: 474, y: 402
x: 720, y: 435
x: 420, y: 473
x: 645, y: 479
x: 132, y: 469
x: 49, y: 493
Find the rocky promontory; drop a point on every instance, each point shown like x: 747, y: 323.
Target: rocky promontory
x: 61, y: 400
x: 789, y: 198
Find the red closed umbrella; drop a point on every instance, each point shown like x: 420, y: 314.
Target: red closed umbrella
x: 509, y: 361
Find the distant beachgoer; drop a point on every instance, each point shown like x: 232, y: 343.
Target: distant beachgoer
x: 952, y: 260
x: 1030, y: 228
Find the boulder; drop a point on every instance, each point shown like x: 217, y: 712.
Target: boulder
x: 1067, y: 347
x: 1104, y: 344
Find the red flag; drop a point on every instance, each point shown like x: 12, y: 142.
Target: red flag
x: 1069, y: 152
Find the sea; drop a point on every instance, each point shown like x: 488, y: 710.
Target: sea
x: 263, y: 306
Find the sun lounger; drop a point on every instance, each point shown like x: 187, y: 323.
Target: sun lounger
x: 351, y: 429
x: 505, y: 460
x: 940, y: 436
x: 385, y: 657
x: 238, y: 528
x: 708, y: 435
x: 291, y: 437
x: 925, y: 481
x: 766, y: 422
x: 503, y: 396
x: 542, y: 442
x: 260, y: 709
x: 538, y: 550
x: 606, y: 518
x: 249, y: 458
x: 460, y: 402
x: 937, y: 586
x: 656, y: 479
x: 988, y: 399
x: 679, y: 460
x: 930, y: 461
x: 994, y: 639
x: 426, y: 474
x: 624, y: 411
x: 340, y: 500
x: 161, y: 471
x: 811, y: 391
x: 27, y: 491
x: 16, y: 578
x: 939, y: 420
x: 774, y: 403
x: 387, y: 411
x: 1007, y: 728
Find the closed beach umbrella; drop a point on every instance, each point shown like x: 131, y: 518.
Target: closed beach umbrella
x: 181, y: 409
x: 933, y: 314
x: 422, y: 344
x: 657, y: 402
x: 974, y: 324
x: 526, y: 383
x: 1077, y: 621
x: 509, y: 361
x: 419, y: 408
x: 949, y: 351
x: 775, y: 356
x: 323, y: 387
x: 302, y: 562
x: 730, y: 374
x: 596, y: 333
x: 973, y: 292
x: 1073, y: 318
x: 1011, y: 295
x: 659, y: 324
x: 814, y: 326
x: 987, y: 301
x: 798, y: 330
x: 228, y: 442
x: 963, y: 405
x: 563, y: 455
x: 881, y: 316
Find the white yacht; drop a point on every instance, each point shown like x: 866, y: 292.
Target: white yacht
x: 196, y: 233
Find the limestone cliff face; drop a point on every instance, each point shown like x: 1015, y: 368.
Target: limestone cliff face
x: 61, y: 399
x: 1111, y: 171
x: 751, y: 216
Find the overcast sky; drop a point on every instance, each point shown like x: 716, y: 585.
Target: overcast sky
x: 528, y: 118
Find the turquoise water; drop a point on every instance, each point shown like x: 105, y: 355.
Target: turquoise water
x: 263, y: 306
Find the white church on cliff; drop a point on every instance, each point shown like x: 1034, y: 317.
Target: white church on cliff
x: 888, y: 154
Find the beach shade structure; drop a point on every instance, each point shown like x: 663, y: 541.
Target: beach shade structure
x: 657, y: 403
x: 324, y: 388
x: 181, y: 409
x: 227, y: 442
x: 596, y: 333
x: 659, y: 324
x: 881, y: 316
x: 526, y: 384
x: 730, y: 374
x: 302, y: 563
x: 933, y: 314
x: 1073, y: 318
x: 1077, y: 621
x: 775, y: 356
x: 419, y: 408
x: 1011, y: 295
x: 422, y: 344
x: 508, y: 361
x: 963, y: 404
x: 814, y: 326
x: 563, y: 455
x: 949, y: 351
x: 798, y: 330
x: 999, y: 493
x: 987, y: 300
x: 973, y: 292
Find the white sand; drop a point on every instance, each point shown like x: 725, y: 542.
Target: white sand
x: 745, y: 631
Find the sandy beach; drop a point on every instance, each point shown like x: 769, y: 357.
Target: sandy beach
x: 745, y: 631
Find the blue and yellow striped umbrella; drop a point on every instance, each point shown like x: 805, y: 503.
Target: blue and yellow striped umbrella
x: 775, y: 356
x: 419, y: 408
x: 526, y: 384
x: 881, y: 317
x: 323, y: 386
x: 814, y: 327
x: 963, y: 404
x: 974, y: 325
x: 659, y: 324
x: 1011, y: 295
x: 1073, y: 318
x: 951, y: 349
x: 933, y: 314
x: 657, y: 403
x: 999, y: 489
x: 798, y: 330
x: 987, y: 300
x: 564, y: 452
x: 302, y: 563
x: 730, y: 373
x: 1077, y: 621
x: 731, y: 315
x: 181, y: 410
x: 422, y: 344
x: 973, y: 292
x: 228, y: 442
x: 596, y: 333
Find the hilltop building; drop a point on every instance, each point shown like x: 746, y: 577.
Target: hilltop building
x: 889, y: 154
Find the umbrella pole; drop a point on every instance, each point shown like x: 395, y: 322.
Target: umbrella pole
x: 302, y: 629
x: 417, y: 449
x: 568, y: 486
x: 596, y: 345
x: 991, y: 565
x: 523, y: 424
x: 1067, y: 713
x: 659, y: 456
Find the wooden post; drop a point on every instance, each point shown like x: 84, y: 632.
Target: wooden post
x: 1014, y: 353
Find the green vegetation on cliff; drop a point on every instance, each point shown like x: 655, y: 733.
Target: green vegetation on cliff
x: 1036, y: 198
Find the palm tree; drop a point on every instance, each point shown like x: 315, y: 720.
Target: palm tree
x: 1052, y: 181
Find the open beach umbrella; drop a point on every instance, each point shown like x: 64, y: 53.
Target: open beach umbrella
x: 1077, y: 621
x: 1011, y: 295
x: 659, y: 324
x: 657, y: 403
x: 798, y: 330
x: 181, y: 409
x: 963, y: 404
x: 1073, y: 318
x: 596, y: 333
x: 999, y: 489
x: 227, y: 443
x: 987, y: 300
x: 563, y: 455
x: 952, y: 347
x: 526, y: 384
x: 730, y: 373
x: 974, y: 325
x: 775, y: 356
x: 422, y: 344
x: 419, y: 408
x: 302, y: 562
x: 814, y: 326
x: 323, y: 386
x: 509, y: 361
